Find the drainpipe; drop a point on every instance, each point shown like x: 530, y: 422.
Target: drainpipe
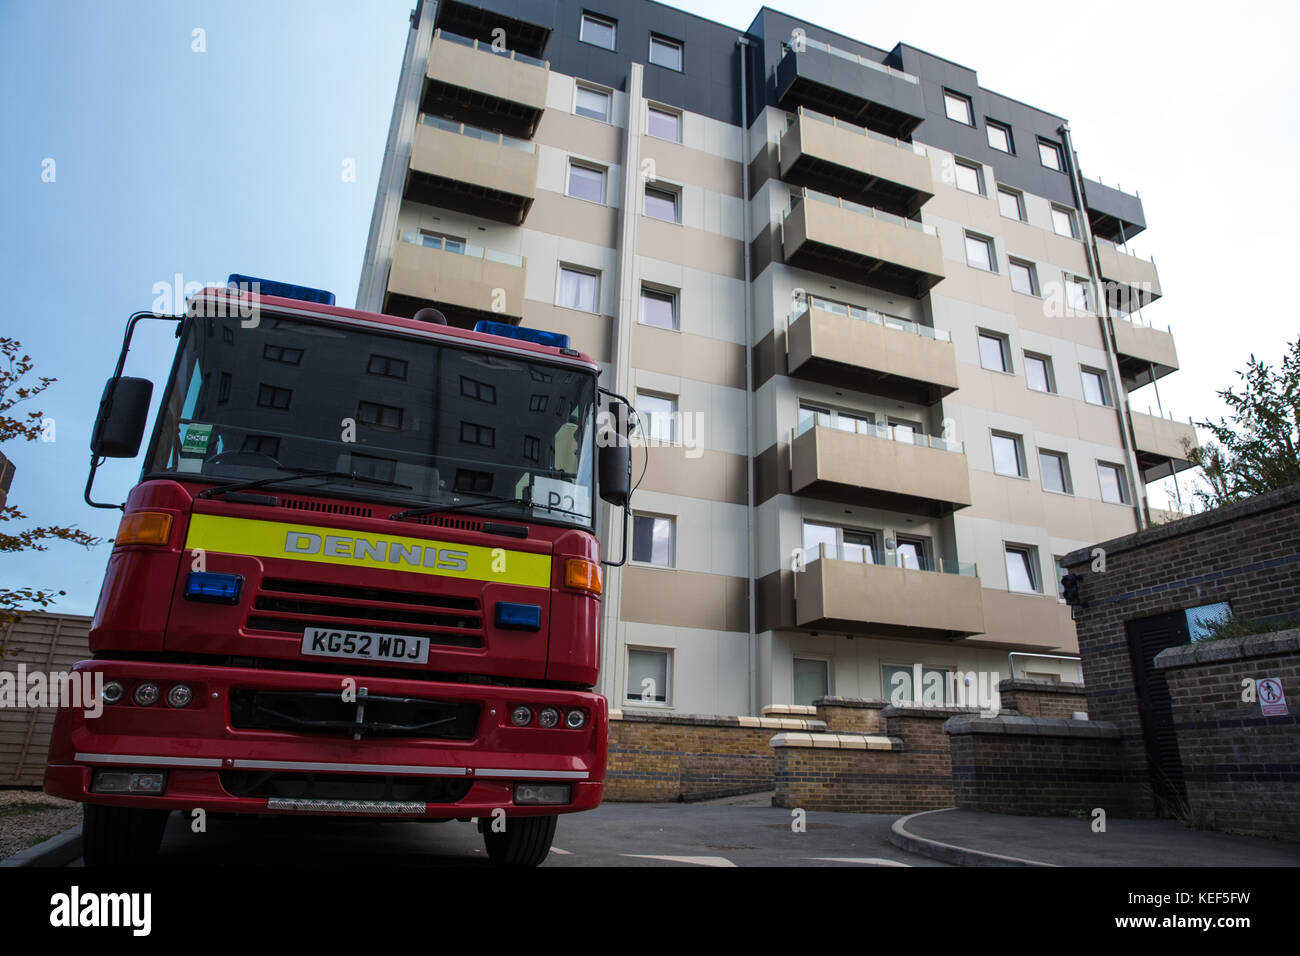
x: 742, y: 43
x: 1107, y: 331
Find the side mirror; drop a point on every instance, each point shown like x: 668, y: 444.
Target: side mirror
x: 123, y: 411
x: 615, y: 459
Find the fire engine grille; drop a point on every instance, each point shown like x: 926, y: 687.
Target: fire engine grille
x: 343, y: 786
x: 370, y: 715
x: 290, y: 607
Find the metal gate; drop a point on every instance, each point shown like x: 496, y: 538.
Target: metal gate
x: 1147, y: 637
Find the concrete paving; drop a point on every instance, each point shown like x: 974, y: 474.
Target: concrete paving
x: 972, y: 838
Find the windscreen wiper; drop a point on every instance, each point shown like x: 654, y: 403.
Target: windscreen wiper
x: 461, y: 505
x: 275, y: 479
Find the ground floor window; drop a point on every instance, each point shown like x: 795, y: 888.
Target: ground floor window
x: 648, y: 674
x: 812, y: 679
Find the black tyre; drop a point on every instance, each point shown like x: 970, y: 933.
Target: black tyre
x: 120, y: 836
x: 526, y: 841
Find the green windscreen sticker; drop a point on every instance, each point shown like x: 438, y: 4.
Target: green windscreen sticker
x: 197, y: 437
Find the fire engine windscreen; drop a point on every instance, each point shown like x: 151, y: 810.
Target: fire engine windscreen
x: 400, y: 419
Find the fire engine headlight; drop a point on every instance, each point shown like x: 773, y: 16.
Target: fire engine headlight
x: 180, y: 695
x: 146, y: 694
x: 576, y: 718
x: 521, y: 716
x: 112, y: 692
x: 548, y: 717
x: 129, y: 781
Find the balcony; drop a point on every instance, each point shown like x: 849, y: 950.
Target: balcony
x: 860, y: 164
x: 879, y: 467
x: 471, y: 75
x: 859, y: 244
x: 1113, y: 214
x: 1159, y: 445
x: 1145, y: 353
x: 1130, y: 282
x: 472, y: 170
x: 883, y: 600
x: 869, y: 351
x: 850, y: 87
x: 465, y: 282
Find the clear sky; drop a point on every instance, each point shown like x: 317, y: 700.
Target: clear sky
x: 173, y: 162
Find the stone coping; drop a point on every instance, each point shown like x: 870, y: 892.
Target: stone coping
x: 1279, y: 498
x: 700, y: 720
x: 838, y: 741
x: 789, y: 710
x: 1035, y: 726
x: 1040, y: 686
x: 1231, y: 649
x: 914, y: 710
x: 865, y: 703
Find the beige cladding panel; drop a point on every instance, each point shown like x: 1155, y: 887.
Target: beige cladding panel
x: 589, y: 333
x: 697, y: 357
x: 675, y: 163
x: 555, y: 214
x: 682, y: 245
x: 465, y: 281
x: 846, y: 458
x: 582, y: 135
x: 861, y: 153
x: 884, y: 595
x: 864, y: 235
x: 1022, y: 501
x: 1148, y: 344
x: 693, y: 473
x: 850, y: 341
x: 689, y: 599
x: 488, y: 73
x: 1036, y: 621
x: 1049, y: 412
x: 1160, y: 436
x: 1120, y: 267
x: 1023, y: 240
x: 468, y: 160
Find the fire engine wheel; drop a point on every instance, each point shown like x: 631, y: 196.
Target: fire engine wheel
x: 120, y: 836
x: 526, y: 841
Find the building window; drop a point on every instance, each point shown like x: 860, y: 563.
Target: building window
x: 598, y: 31
x: 1056, y: 471
x: 285, y: 356
x: 591, y: 103
x: 957, y: 107
x: 1008, y: 455
x: 579, y: 290
x: 227, y: 334
x: 434, y: 240
x: 1049, y: 154
x: 970, y: 177
x: 223, y: 388
x: 913, y: 553
x: 664, y: 124
x: 979, y: 253
x: 999, y: 136
x: 658, y: 308
x: 372, y: 466
x: 812, y: 679
x: 1064, y: 223
x: 1112, y: 482
x: 652, y: 540
x: 1061, y: 572
x: 1038, y: 372
x: 380, y: 416
x: 665, y: 52
x: 1024, y: 277
x: 662, y: 204
x: 532, y: 449
x: 538, y: 403
x: 268, y: 396
x: 478, y: 391
x: 1022, y: 568
x: 839, y: 544
x: 995, y: 352
x: 586, y: 182
x: 267, y: 445
x: 897, y: 685
x: 658, y: 413
x: 386, y: 366
x: 469, y: 480
x: 1011, y: 204
x: 647, y: 676
x: 1076, y: 294
x: 1094, y: 387
x: 483, y: 435
x: 863, y: 423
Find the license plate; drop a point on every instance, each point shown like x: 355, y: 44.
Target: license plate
x: 365, y: 645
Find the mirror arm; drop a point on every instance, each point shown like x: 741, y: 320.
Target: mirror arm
x: 627, y: 513
x: 90, y: 480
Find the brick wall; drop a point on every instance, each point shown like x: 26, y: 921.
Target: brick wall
x: 854, y: 715
x: 905, y: 770
x: 1242, y: 769
x: 659, y: 758
x: 1247, y: 554
x: 1037, y: 766
x: 1042, y: 698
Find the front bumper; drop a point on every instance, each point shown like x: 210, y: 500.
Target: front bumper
x: 203, y: 753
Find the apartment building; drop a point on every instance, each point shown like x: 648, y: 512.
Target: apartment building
x: 878, y: 326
